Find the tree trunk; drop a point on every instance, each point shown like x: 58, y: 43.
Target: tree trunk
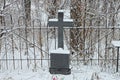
x: 27, y: 5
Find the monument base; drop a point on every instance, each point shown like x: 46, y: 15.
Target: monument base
x: 64, y: 71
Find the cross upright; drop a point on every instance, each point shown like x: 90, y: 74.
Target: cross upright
x: 60, y: 23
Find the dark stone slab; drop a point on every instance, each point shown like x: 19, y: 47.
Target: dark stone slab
x: 59, y: 64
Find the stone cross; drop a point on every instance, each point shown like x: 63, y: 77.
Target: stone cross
x: 60, y: 23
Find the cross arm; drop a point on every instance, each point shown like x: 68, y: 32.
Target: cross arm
x: 53, y: 22
x: 68, y: 22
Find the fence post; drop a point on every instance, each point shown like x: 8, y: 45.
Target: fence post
x: 117, y: 59
x: 20, y: 41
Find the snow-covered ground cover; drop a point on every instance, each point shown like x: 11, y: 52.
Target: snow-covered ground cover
x: 77, y: 73
x: 81, y: 72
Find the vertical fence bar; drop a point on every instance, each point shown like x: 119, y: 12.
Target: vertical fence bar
x: 106, y: 41
x: 41, y: 45
x: 77, y: 48
x: 84, y: 30
x: 98, y: 39
x: 117, y: 59
x: 98, y: 46
x: 6, y: 51
x: 106, y: 37
x: 48, y: 46
x: 113, y: 50
x: 91, y: 42
x: 12, y: 44
x: 20, y: 46
x: 34, y: 43
x: 13, y: 51
x: 20, y: 34
x: 1, y: 24
x: 26, y: 36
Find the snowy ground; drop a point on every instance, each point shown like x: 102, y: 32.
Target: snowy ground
x: 81, y: 73
x: 78, y: 73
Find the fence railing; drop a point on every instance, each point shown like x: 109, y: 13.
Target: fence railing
x: 29, y: 47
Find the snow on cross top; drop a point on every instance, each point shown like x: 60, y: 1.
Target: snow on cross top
x: 68, y: 20
x: 53, y: 20
x: 60, y: 51
x: 60, y: 10
x: 64, y: 20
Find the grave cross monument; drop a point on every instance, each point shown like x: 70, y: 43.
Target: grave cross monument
x: 60, y: 23
x: 59, y: 59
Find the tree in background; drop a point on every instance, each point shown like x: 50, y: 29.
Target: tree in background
x: 77, y: 35
x: 27, y: 6
x: 98, y: 14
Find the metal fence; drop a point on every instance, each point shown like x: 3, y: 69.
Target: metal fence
x: 24, y: 46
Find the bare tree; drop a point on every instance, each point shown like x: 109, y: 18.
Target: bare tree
x: 27, y: 4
